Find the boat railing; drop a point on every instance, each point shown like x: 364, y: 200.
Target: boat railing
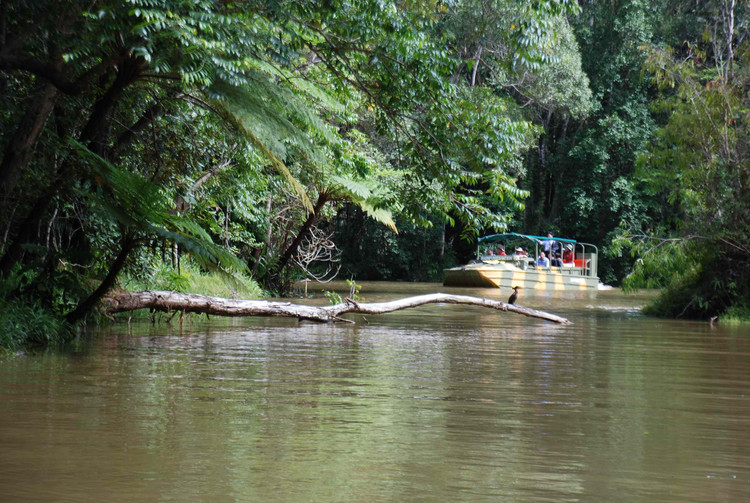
x: 521, y: 261
x: 580, y: 267
x: 585, y: 262
x: 589, y: 257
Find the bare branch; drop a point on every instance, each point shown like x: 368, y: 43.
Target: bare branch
x: 193, y: 303
x: 319, y: 248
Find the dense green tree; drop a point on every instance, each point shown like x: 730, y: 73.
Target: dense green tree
x: 497, y: 45
x: 559, y: 97
x: 698, y: 163
x: 595, y: 115
x: 150, y: 125
x: 371, y: 252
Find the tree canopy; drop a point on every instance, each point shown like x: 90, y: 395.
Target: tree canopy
x: 131, y: 128
x: 264, y: 139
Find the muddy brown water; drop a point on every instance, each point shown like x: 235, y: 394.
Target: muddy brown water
x: 439, y: 403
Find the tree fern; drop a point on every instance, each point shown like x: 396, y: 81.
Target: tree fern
x: 274, y: 119
x: 138, y: 205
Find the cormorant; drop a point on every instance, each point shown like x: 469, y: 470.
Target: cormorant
x: 514, y: 295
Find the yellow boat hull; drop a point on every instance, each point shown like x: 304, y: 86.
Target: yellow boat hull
x: 507, y: 276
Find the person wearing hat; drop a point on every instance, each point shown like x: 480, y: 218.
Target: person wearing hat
x: 568, y: 255
x: 521, y: 252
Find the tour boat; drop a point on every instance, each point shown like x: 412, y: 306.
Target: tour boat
x: 519, y: 266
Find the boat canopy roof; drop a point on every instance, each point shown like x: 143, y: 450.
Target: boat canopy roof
x: 493, y: 238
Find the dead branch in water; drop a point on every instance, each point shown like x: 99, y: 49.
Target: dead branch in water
x: 194, y: 303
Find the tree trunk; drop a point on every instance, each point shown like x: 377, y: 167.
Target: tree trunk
x: 97, y: 130
x: 26, y: 230
x: 729, y: 8
x: 148, y: 117
x: 544, y: 177
x: 128, y: 243
x: 20, y: 145
x: 192, y: 303
x: 477, y: 60
x: 293, y: 248
x: 559, y: 176
x: 442, y: 242
x: 267, y: 243
x: 95, y: 133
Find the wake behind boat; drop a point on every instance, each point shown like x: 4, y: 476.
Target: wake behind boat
x: 503, y: 260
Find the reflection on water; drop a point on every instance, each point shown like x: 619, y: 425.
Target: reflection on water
x: 439, y: 403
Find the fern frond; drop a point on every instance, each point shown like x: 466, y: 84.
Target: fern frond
x: 380, y: 215
x: 362, y: 193
x: 359, y: 189
x: 275, y: 161
x: 324, y: 98
x: 137, y: 204
x: 273, y: 118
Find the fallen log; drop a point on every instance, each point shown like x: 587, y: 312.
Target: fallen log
x: 194, y: 303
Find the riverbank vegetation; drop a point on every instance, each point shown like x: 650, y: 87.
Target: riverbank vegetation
x: 166, y: 141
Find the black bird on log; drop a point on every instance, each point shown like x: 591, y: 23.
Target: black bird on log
x: 514, y: 295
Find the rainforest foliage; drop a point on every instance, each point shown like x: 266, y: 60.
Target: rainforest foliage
x: 268, y: 141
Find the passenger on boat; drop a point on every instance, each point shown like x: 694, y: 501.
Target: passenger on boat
x: 555, y: 260
x: 542, y: 261
x: 550, y: 245
x: 501, y: 250
x: 568, y: 256
x: 521, y: 252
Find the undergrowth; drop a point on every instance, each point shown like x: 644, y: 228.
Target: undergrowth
x: 26, y: 325
x: 737, y: 314
x: 23, y: 326
x: 191, y: 279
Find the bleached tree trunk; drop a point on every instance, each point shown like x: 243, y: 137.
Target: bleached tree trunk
x: 193, y: 303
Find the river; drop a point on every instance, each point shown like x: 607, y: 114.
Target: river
x: 433, y: 404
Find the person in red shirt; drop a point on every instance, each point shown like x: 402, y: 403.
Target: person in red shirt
x: 568, y: 255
